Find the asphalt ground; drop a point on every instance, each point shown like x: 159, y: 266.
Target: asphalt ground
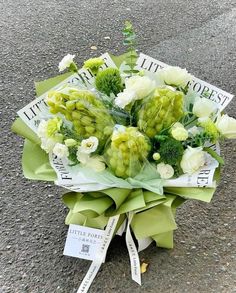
x: 199, y: 35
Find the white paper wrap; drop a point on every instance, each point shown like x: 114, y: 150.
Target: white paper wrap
x: 220, y: 97
x: 74, y: 179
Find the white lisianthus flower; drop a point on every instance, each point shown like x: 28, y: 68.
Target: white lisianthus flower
x: 179, y: 132
x: 125, y: 98
x: 174, y: 75
x: 42, y: 129
x: 66, y: 62
x: 193, y: 159
x: 96, y: 163
x: 89, y: 145
x: 194, y: 131
x: 226, y: 125
x: 204, y: 107
x: 47, y: 144
x: 60, y: 150
x: 166, y: 171
x: 141, y: 85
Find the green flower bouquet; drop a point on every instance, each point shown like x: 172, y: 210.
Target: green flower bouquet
x: 131, y: 139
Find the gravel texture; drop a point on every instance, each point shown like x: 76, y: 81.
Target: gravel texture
x: 35, y: 35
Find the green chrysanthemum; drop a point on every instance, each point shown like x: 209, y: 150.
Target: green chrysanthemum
x: 93, y: 64
x: 171, y: 151
x: 109, y: 81
x: 210, y: 129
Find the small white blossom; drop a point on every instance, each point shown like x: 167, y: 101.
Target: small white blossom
x: 193, y: 159
x: 179, y: 132
x: 89, y: 145
x: 173, y: 75
x: 60, y: 150
x: 69, y: 142
x: 204, y: 107
x: 125, y: 98
x: 141, y: 85
x: 166, y: 171
x: 156, y: 156
x: 66, y: 62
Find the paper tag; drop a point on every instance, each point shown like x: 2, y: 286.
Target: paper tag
x: 83, y: 242
x: 100, y: 255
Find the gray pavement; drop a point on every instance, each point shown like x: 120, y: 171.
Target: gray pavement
x: 35, y: 35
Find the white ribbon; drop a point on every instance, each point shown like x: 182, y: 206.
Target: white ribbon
x: 133, y: 253
x: 100, y: 256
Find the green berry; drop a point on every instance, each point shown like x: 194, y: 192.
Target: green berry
x: 160, y: 111
x: 127, y: 152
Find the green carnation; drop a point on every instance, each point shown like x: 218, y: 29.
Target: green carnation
x: 109, y: 81
x: 171, y: 151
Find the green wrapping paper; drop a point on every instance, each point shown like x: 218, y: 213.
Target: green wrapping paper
x: 154, y: 214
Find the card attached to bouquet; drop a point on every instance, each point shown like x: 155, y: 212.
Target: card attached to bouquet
x: 83, y: 242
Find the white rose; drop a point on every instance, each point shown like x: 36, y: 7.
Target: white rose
x: 66, y: 62
x: 174, y: 75
x: 60, y: 150
x: 125, y: 98
x: 226, y: 126
x: 166, y: 171
x: 193, y: 159
x: 179, y: 132
x: 89, y: 145
x: 141, y: 85
x: 204, y: 107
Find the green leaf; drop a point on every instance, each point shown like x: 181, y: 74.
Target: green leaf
x: 214, y: 155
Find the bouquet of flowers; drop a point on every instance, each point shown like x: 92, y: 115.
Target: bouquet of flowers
x: 131, y: 139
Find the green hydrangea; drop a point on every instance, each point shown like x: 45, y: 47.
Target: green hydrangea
x: 160, y: 111
x: 109, y: 81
